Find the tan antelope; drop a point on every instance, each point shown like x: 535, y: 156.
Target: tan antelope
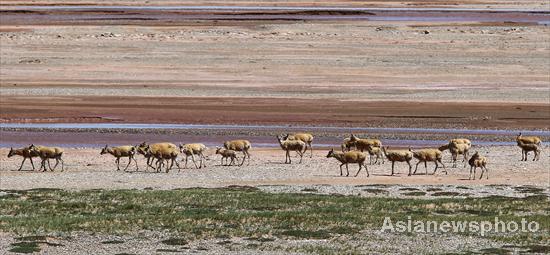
x: 121, y: 152
x: 24, y: 152
x: 349, y: 157
x: 46, y: 153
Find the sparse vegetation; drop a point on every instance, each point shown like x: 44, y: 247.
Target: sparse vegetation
x: 245, y: 212
x: 30, y: 244
x: 309, y: 190
x: 408, y: 189
x: 446, y: 194
x: 415, y: 193
x: 112, y: 242
x: 167, y: 250
x: 175, y: 241
x: 25, y: 247
x: 528, y: 189
x: 376, y: 191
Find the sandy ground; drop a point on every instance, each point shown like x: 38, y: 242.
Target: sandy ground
x: 348, y: 60
x: 86, y: 169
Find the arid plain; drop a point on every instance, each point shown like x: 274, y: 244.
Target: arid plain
x: 314, y: 72
x: 251, y: 75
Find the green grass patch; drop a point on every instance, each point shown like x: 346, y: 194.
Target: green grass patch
x: 528, y: 189
x: 326, y: 249
x: 538, y: 248
x: 496, y: 251
x: 376, y: 191
x: 174, y: 241
x: 239, y: 211
x: 414, y: 193
x: 32, y: 238
x: 112, y: 242
x: 25, y: 247
x: 408, y: 189
x: 373, y: 185
x: 224, y: 242
x: 462, y: 187
x: 433, y: 189
x: 252, y: 246
x: 241, y: 188
x: 309, y: 190
x: 167, y: 250
x: 305, y: 234
x: 260, y: 239
x: 30, y: 244
x: 447, y: 194
x: 480, y: 212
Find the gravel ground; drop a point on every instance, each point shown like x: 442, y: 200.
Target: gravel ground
x: 413, y: 191
x: 454, y: 62
x: 368, y: 241
x: 86, y: 169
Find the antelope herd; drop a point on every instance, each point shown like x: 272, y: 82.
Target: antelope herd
x: 352, y: 152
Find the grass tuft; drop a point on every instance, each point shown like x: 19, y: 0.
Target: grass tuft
x: 446, y: 194
x: 376, y: 191
x: 306, y: 234
x: 416, y: 193
x: 242, y: 212
x: 309, y: 190
x: 408, y: 189
x: 224, y: 242
x: 462, y: 187
x: 261, y: 239
x: 167, y: 250
x: 539, y: 249
x: 174, y: 241
x: 112, y: 242
x: 528, y: 189
x: 241, y: 188
x: 25, y: 247
x: 496, y: 251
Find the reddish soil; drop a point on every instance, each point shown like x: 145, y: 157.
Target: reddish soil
x: 274, y: 111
